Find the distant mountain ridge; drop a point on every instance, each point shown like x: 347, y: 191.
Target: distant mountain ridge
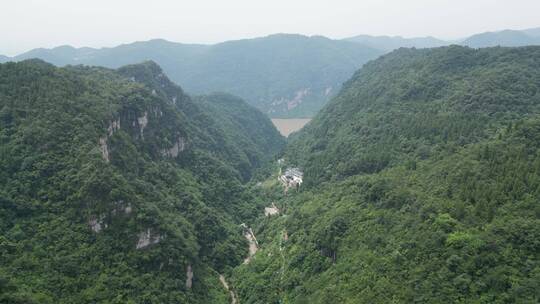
x: 535, y: 32
x: 282, y: 75
x: 506, y: 38
x: 503, y: 38
x: 389, y: 43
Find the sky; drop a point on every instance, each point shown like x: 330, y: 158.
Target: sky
x: 28, y: 24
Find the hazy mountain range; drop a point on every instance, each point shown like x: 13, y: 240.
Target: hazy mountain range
x: 488, y: 39
x: 389, y: 43
x: 283, y: 75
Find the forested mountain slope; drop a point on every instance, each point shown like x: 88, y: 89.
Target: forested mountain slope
x: 410, y: 103
x: 282, y: 75
x: 243, y: 125
x: 115, y: 186
x: 421, y: 185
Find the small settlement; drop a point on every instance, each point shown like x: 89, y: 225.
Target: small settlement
x: 292, y: 178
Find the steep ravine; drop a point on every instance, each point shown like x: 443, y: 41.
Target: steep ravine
x: 275, y: 190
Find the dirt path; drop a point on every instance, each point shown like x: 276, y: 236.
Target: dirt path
x: 234, y: 300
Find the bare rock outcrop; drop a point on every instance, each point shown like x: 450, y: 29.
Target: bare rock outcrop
x: 189, y: 277
x: 174, y: 151
x: 96, y: 223
x: 103, y: 146
x: 143, y: 122
x: 147, y: 238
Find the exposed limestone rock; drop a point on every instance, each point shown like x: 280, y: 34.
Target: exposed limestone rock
x: 189, y: 277
x: 272, y: 210
x: 294, y: 102
x: 178, y: 147
x: 128, y: 209
x: 113, y: 127
x: 143, y: 122
x: 327, y: 91
x: 121, y: 207
x: 96, y: 223
x: 174, y: 100
x: 298, y: 98
x: 146, y: 239
x: 157, y: 112
x: 104, y: 148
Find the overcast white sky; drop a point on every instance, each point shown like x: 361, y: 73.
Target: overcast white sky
x: 27, y: 24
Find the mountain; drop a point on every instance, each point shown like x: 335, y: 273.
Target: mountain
x: 389, y: 43
x: 421, y: 185
x: 62, y: 55
x: 508, y: 38
x: 502, y: 38
x: 382, y: 95
x: 282, y: 75
x: 117, y: 187
x: 534, y: 32
x: 4, y: 58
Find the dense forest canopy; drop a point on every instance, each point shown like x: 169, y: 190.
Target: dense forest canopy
x: 115, y: 185
x: 421, y: 185
x: 420, y: 179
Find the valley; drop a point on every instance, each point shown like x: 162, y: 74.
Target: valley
x: 416, y: 181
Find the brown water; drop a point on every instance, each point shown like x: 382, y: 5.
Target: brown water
x: 286, y: 126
